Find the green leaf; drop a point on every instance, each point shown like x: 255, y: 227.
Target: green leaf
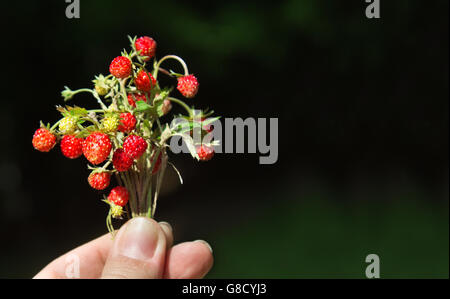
x: 142, y: 106
x: 147, y: 124
x: 210, y: 120
x: 166, y: 133
x: 67, y: 94
x: 189, y: 143
x: 77, y: 111
x: 162, y: 95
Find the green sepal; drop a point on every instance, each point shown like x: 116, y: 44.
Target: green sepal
x: 77, y: 111
x: 87, y: 131
x: 142, y: 106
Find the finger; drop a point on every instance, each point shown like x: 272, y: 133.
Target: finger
x: 86, y: 261
x: 189, y: 260
x: 168, y: 232
x: 139, y: 251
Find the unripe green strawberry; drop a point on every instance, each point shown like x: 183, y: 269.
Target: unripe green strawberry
x: 101, y: 90
x: 110, y: 124
x: 101, y: 85
x: 68, y: 125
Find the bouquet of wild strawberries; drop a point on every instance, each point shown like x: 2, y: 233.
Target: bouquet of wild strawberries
x: 126, y: 137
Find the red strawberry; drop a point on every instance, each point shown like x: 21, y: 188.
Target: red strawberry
x: 134, y: 146
x: 142, y: 81
x: 119, y: 196
x: 43, y: 140
x: 188, y: 86
x: 137, y: 96
x: 71, y: 146
x: 127, y: 122
x: 204, y: 152
x: 207, y: 128
x: 121, y: 160
x: 99, y: 180
x: 120, y: 67
x: 147, y: 46
x: 96, y: 147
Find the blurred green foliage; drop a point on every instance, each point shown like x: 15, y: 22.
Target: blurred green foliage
x: 316, y: 237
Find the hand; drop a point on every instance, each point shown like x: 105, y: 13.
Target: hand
x: 142, y: 248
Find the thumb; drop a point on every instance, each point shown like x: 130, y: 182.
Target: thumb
x: 138, y: 251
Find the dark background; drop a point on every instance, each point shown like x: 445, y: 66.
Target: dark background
x: 363, y: 133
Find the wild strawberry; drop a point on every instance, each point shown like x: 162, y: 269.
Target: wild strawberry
x: 166, y: 106
x: 188, y: 86
x: 99, y: 180
x: 134, y: 146
x: 43, y: 140
x: 147, y: 46
x: 96, y: 147
x: 204, y: 152
x: 71, y: 146
x: 142, y: 81
x: 208, y: 128
x: 101, y: 90
x: 110, y: 123
x: 205, y: 128
x: 121, y: 160
x: 127, y: 122
x: 137, y: 96
x: 68, y: 125
x: 120, y: 67
x: 102, y: 84
x: 119, y: 196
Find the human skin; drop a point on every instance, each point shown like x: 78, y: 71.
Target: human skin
x: 142, y: 248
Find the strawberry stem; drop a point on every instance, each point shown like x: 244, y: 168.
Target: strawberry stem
x: 55, y: 125
x: 181, y: 103
x: 124, y: 94
x: 181, y: 61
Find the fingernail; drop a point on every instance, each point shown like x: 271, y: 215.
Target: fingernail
x: 138, y: 239
x: 166, y: 225
x: 206, y: 243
